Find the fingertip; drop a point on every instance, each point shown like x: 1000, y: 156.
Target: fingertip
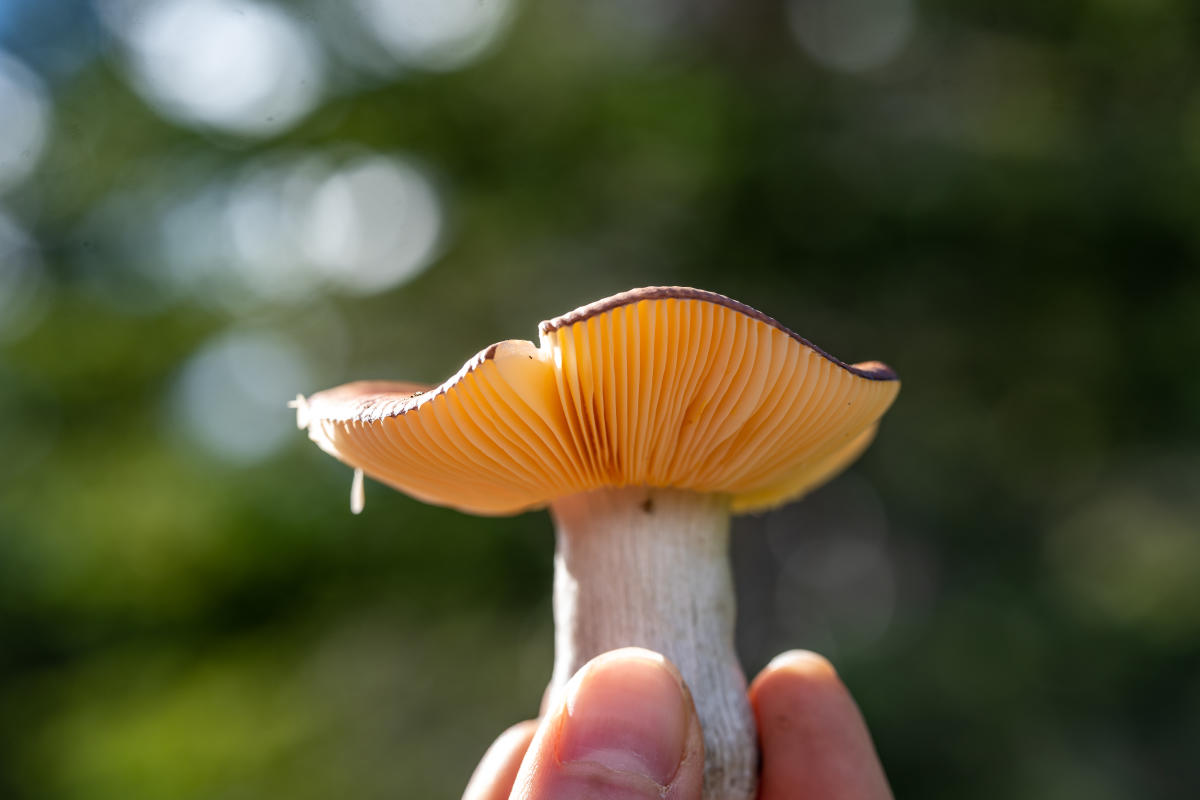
x: 796, y: 672
x: 635, y: 654
x: 814, y: 740
x: 623, y: 726
x: 629, y: 711
x: 493, y: 778
x: 803, y: 662
x: 638, y: 659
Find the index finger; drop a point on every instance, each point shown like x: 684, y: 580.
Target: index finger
x: 814, y: 741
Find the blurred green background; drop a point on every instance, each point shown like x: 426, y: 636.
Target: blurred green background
x: 208, y: 206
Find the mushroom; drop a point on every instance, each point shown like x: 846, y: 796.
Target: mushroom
x: 643, y: 421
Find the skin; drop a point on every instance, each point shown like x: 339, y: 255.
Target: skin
x: 627, y: 730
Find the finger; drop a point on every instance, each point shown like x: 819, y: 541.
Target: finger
x: 625, y: 730
x: 493, y: 778
x: 814, y: 741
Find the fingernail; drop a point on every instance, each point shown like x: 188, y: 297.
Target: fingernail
x: 806, y: 661
x: 627, y: 713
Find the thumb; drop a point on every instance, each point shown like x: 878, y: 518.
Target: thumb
x: 625, y: 729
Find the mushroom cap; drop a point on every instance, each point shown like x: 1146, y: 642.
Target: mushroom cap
x: 662, y: 386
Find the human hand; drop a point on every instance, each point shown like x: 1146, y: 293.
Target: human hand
x: 628, y: 730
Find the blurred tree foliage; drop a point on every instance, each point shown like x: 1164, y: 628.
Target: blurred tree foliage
x: 1004, y: 210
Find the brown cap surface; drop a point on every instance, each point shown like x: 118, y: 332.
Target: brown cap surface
x: 660, y: 387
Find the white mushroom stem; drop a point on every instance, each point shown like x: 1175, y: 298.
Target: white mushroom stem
x: 650, y: 567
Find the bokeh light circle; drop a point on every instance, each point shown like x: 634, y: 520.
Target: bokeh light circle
x: 852, y: 35
x: 435, y: 34
x: 266, y: 214
x: 24, y: 121
x: 282, y: 229
x: 241, y: 67
x: 229, y: 398
x: 373, y: 224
